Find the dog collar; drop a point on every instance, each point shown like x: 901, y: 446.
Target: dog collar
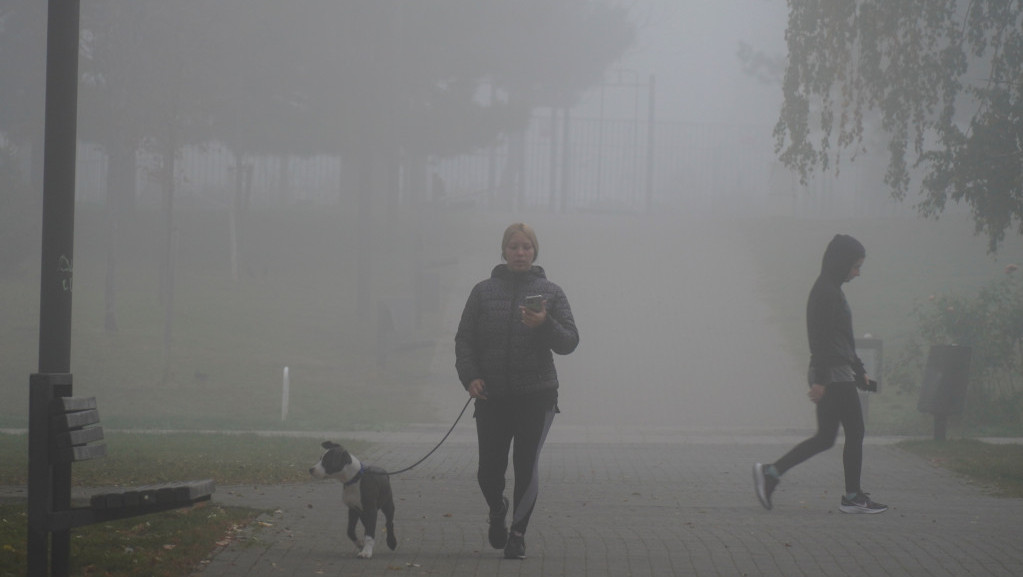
x: 356, y: 478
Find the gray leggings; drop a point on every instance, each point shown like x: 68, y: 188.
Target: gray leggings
x: 524, y: 420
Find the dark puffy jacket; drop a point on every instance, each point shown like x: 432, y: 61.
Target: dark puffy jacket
x: 828, y: 318
x: 492, y: 343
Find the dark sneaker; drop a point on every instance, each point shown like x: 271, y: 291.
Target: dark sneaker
x: 861, y: 504
x: 498, y: 533
x: 764, y: 485
x: 516, y: 547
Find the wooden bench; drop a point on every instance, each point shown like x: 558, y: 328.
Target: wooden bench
x: 64, y: 430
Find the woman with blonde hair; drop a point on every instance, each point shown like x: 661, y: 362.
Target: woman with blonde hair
x: 512, y: 324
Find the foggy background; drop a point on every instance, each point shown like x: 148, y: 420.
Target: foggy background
x: 673, y: 336
x: 336, y: 228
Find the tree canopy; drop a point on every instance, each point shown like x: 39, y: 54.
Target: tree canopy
x: 940, y: 80
x: 23, y: 70
x: 314, y: 76
x: 324, y: 77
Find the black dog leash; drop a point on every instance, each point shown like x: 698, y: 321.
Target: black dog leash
x: 389, y: 473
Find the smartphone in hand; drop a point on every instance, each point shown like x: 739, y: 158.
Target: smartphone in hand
x: 534, y: 303
x: 870, y: 386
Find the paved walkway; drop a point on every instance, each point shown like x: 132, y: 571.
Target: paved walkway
x: 639, y: 503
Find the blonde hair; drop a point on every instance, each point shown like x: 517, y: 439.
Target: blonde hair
x: 524, y: 229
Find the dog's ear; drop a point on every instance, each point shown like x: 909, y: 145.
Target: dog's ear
x: 335, y: 459
x: 329, y: 444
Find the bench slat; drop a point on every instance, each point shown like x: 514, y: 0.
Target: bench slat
x: 86, y: 452
x: 75, y: 420
x: 180, y: 493
x: 78, y: 437
x: 72, y: 404
x: 79, y: 453
x: 107, y: 501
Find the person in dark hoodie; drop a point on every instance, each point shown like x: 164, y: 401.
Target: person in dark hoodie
x: 503, y: 355
x: 834, y: 376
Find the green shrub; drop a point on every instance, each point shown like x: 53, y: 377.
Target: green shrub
x: 991, y: 324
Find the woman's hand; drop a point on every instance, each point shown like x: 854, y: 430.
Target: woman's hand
x: 533, y: 319
x: 816, y: 393
x: 478, y: 389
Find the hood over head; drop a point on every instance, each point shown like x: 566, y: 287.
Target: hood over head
x: 843, y: 251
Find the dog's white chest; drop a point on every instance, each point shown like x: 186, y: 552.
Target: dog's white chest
x: 352, y: 496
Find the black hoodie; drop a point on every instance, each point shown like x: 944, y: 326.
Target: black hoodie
x: 828, y: 318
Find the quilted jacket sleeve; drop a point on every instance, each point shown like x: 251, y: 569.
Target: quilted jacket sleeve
x: 465, y: 352
x: 561, y: 333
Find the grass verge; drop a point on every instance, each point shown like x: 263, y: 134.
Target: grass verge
x: 998, y: 467
x: 165, y: 544
x: 139, y: 459
x: 162, y: 544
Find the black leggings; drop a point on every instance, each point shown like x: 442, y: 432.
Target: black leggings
x: 525, y: 420
x: 839, y: 405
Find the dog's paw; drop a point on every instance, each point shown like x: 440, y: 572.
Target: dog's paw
x: 367, y: 549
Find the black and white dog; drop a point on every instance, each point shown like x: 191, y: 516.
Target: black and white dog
x: 366, y: 490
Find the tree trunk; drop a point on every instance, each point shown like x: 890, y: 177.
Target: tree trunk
x: 232, y: 216
x: 513, y: 176
x: 284, y: 162
x: 119, y: 204
x: 238, y: 206
x: 364, y: 266
x: 167, y: 270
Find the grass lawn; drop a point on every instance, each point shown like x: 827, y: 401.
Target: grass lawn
x: 168, y: 544
x: 140, y: 459
x: 172, y: 543
x: 293, y: 305
x: 997, y: 467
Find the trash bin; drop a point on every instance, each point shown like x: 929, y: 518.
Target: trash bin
x: 946, y: 377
